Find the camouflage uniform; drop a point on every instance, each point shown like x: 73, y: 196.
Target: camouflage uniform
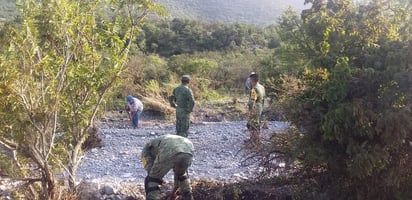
x: 161, y: 155
x: 255, y: 105
x: 183, y: 100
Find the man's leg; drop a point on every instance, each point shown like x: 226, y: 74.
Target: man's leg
x: 179, y: 123
x: 151, y: 187
x: 254, y: 130
x: 182, y: 123
x: 135, y: 119
x: 181, y: 177
x: 185, y: 125
x: 154, y: 179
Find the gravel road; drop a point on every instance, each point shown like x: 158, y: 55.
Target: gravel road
x: 219, y: 151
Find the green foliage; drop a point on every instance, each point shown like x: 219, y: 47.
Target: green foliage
x: 7, y: 166
x: 205, y: 93
x: 230, y: 11
x: 58, y: 65
x: 237, y: 192
x: 153, y: 88
x: 352, y: 100
x: 181, y: 36
x: 156, y: 68
x: 193, y: 66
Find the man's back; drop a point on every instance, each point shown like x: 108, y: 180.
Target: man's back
x: 167, y: 146
x: 173, y: 144
x: 161, y: 155
x: 184, y: 97
x: 261, y: 92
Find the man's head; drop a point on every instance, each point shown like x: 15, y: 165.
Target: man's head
x: 254, y: 78
x: 129, y: 98
x: 185, y: 79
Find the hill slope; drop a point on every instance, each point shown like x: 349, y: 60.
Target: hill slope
x: 7, y: 10
x: 260, y: 12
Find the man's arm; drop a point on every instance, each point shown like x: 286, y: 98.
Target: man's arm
x: 147, y: 156
x: 191, y: 102
x: 252, y: 98
x: 127, y: 107
x: 172, y: 101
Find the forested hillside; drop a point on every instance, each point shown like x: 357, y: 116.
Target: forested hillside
x: 7, y: 9
x: 261, y: 12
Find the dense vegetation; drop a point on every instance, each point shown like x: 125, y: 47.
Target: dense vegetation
x: 179, y: 36
x: 7, y: 10
x: 259, y: 12
x: 58, y: 62
x: 339, y: 72
x: 351, y: 99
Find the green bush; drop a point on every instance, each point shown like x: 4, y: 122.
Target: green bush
x: 352, y: 102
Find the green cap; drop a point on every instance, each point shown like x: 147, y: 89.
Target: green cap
x: 185, y: 78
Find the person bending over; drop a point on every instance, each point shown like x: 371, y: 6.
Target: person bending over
x: 162, y: 154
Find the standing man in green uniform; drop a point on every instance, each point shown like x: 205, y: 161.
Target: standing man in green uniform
x: 183, y: 100
x: 161, y: 155
x: 255, y: 106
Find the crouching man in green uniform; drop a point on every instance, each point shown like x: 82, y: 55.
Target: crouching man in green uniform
x: 162, y: 154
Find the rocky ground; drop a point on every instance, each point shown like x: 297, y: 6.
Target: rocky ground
x: 220, y: 153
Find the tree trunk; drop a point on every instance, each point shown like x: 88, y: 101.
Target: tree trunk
x: 49, y: 184
x: 48, y: 181
x: 73, y: 164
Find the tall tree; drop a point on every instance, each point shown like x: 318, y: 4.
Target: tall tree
x: 57, y: 67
